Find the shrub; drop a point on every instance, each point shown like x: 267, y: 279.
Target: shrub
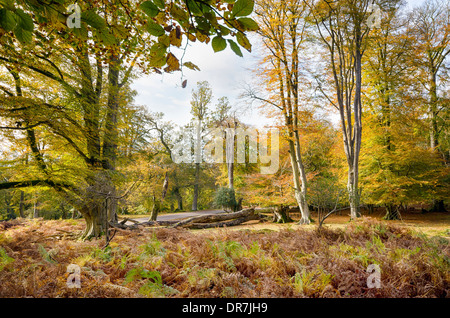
x: 226, y: 199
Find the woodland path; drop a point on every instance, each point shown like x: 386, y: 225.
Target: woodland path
x: 180, y: 215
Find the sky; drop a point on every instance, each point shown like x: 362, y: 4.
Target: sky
x: 226, y: 72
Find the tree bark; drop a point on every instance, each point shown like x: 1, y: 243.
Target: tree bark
x: 354, y: 168
x: 392, y: 212
x: 299, y: 188
x: 234, y: 222
x: 155, y: 210
x: 433, y: 107
x: 230, y: 136
x: 196, y: 187
x: 281, y: 215
x: 303, y: 203
x: 96, y: 221
x: 35, y: 210
x: 179, y: 198
x: 216, y: 217
x: 353, y: 193
x: 97, y: 210
x: 22, y: 204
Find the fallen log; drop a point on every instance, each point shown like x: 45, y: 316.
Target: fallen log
x: 136, y: 224
x: 238, y: 221
x: 197, y: 222
x: 246, y: 213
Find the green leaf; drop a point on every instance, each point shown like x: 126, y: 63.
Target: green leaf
x: 235, y: 48
x: 248, y: 24
x: 93, y: 19
x: 194, y: 7
x: 81, y: 33
x: 149, y: 8
x: 132, y: 274
x: 4, y: 259
x: 158, y: 49
x: 179, y: 14
x: 153, y: 275
x: 218, y: 44
x: 203, y: 24
x: 224, y: 30
x: 26, y: 22
x: 7, y: 20
x: 160, y: 3
x: 23, y: 35
x: 106, y: 37
x: 164, y: 40
x: 155, y: 29
x: 244, y: 42
x: 242, y: 8
x: 158, y: 55
x: 45, y: 255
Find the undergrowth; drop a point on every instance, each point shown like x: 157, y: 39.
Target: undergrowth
x: 178, y: 263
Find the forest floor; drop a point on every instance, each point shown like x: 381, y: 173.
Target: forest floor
x: 250, y: 260
x: 433, y: 223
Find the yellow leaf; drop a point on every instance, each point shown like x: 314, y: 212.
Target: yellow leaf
x: 175, y: 37
x: 172, y: 63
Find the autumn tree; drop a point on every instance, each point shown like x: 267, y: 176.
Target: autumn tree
x: 90, y: 60
x: 432, y: 48
x: 343, y: 29
x: 386, y: 73
x: 200, y: 102
x: 283, y: 36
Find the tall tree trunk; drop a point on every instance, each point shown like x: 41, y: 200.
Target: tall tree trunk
x: 438, y: 204
x: 354, y: 194
x: 35, y: 210
x: 433, y: 112
x: 8, y: 205
x: 230, y: 168
x: 179, y: 198
x: 196, y: 187
x: 22, y: 204
x: 155, y: 210
x: 111, y: 130
x: 299, y: 190
x: 230, y: 136
x: 303, y: 203
x: 63, y: 210
x: 110, y: 142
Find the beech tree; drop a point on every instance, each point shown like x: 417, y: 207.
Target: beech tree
x: 90, y: 63
x: 283, y: 35
x: 432, y: 48
x: 343, y: 28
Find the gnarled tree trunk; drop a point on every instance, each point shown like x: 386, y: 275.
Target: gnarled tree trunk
x: 97, y: 209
